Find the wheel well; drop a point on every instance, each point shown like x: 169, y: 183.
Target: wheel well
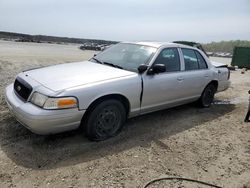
x: 118, y: 97
x: 215, y: 83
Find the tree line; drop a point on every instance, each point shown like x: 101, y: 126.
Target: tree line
x: 225, y: 46
x: 19, y: 37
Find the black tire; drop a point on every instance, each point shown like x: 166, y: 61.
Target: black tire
x: 207, y: 96
x: 105, y: 120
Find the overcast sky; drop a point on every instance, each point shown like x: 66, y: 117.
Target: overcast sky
x: 160, y: 20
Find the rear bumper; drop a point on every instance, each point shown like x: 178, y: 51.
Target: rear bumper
x: 42, y: 121
x: 223, y: 85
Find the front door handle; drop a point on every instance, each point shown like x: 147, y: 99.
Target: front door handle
x: 206, y: 76
x: 180, y: 79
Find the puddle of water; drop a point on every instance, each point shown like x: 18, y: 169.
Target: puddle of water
x: 236, y: 100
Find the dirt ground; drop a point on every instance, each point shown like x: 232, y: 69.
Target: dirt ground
x: 211, y: 145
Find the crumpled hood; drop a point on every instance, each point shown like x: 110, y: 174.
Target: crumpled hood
x: 63, y: 76
x: 217, y: 64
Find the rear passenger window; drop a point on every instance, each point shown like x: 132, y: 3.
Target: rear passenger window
x: 190, y: 59
x: 201, y: 60
x: 170, y: 58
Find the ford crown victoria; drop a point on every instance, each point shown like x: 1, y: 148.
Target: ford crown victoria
x: 125, y: 80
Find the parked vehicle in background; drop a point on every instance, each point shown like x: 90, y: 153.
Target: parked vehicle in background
x: 93, y: 46
x: 125, y: 80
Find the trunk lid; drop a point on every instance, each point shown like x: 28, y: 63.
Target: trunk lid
x: 217, y: 64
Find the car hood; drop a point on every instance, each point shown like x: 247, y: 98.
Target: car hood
x: 63, y: 76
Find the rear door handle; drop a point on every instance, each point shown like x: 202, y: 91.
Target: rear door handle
x: 180, y: 79
x: 206, y: 76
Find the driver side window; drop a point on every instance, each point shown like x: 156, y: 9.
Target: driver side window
x: 170, y: 58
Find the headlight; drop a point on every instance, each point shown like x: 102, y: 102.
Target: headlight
x: 60, y: 103
x: 38, y: 99
x: 51, y: 103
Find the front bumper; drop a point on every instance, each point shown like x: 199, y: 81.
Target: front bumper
x: 42, y: 121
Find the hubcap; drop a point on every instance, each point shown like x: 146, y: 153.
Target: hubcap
x: 108, y: 121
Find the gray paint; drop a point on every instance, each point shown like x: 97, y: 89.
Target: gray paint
x: 89, y: 81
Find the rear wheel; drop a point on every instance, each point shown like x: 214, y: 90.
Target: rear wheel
x: 207, y: 96
x: 105, y: 120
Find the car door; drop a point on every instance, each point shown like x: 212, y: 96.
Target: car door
x: 196, y: 74
x: 163, y: 89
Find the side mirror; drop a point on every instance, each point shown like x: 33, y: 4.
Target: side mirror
x: 157, y: 68
x: 142, y: 68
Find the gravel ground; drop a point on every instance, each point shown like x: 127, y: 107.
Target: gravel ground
x: 211, y: 145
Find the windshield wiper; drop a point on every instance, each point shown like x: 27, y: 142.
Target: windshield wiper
x: 97, y: 60
x: 112, y: 65
x: 107, y: 63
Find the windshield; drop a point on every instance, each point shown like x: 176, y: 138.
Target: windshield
x: 126, y: 56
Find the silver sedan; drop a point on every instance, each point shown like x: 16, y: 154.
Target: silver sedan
x: 123, y: 81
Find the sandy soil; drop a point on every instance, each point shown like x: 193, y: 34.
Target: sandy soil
x: 211, y: 145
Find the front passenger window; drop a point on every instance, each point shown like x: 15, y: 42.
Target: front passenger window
x: 170, y: 58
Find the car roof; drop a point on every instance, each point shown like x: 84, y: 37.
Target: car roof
x: 160, y: 44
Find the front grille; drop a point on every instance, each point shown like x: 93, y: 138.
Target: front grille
x: 22, y: 88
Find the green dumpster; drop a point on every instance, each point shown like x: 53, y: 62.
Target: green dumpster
x: 241, y: 57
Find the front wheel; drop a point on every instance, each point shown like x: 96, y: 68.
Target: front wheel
x: 207, y: 96
x: 105, y: 120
